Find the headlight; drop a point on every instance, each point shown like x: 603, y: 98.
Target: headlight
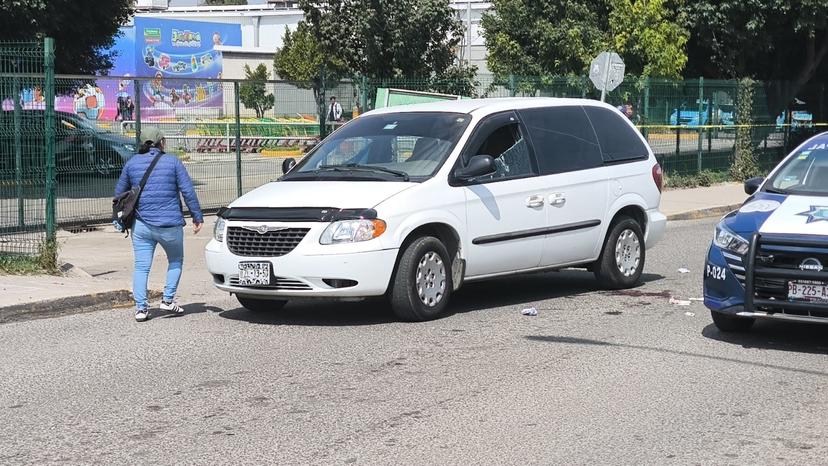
x: 729, y: 241
x: 218, y: 229
x: 352, y: 231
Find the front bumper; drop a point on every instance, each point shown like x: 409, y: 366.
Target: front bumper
x: 756, y: 285
x: 298, y: 275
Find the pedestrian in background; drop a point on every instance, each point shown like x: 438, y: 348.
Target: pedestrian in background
x: 159, y: 219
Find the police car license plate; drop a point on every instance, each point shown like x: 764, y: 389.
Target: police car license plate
x: 254, y: 273
x: 807, y: 291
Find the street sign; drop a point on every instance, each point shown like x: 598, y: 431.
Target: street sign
x: 606, y: 72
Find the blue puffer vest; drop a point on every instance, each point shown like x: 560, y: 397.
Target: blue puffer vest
x: 160, y: 204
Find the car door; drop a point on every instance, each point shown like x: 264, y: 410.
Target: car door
x: 505, y: 211
x: 574, y: 179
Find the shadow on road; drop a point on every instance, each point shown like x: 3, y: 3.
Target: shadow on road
x: 471, y: 297
x: 567, y: 340
x: 780, y: 336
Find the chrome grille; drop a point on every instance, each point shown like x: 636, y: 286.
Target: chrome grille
x: 277, y: 283
x: 736, y: 265
x: 249, y: 243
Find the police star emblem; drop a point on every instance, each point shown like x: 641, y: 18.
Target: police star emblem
x: 818, y: 213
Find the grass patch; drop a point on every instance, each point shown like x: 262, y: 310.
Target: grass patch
x: 45, y: 262
x: 702, y: 179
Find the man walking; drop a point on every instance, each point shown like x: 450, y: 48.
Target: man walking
x: 159, y: 219
x: 334, y: 111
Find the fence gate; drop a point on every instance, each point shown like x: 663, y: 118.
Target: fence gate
x: 27, y: 162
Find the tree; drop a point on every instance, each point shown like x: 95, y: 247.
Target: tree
x: 224, y: 2
x: 650, y: 36
x: 386, y: 39
x: 561, y: 37
x: 83, y: 29
x: 253, y: 93
x: 781, y: 42
x: 302, y: 62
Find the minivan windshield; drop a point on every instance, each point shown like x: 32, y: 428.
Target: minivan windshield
x: 805, y: 173
x: 400, y: 146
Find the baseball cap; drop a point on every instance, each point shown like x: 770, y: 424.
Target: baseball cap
x: 151, y: 133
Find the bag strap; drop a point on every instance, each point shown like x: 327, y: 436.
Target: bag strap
x: 149, y: 171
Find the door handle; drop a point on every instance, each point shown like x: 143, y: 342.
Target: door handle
x: 557, y: 200
x: 534, y: 201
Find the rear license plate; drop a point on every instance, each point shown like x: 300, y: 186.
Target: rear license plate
x: 254, y: 273
x: 807, y: 291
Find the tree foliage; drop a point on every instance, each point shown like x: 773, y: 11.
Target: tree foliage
x: 782, y: 42
x: 253, y: 93
x: 561, y: 37
x: 83, y: 29
x: 385, y: 39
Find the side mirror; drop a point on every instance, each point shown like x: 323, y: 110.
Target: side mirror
x: 752, y: 185
x: 288, y: 164
x: 479, y: 165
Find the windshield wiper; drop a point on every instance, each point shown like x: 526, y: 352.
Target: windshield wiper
x: 776, y: 191
x: 356, y: 166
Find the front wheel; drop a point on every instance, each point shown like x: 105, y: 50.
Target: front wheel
x: 622, y: 258
x: 261, y: 305
x: 731, y: 323
x: 422, y: 282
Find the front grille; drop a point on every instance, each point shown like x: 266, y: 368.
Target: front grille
x: 244, y: 242
x: 277, y: 283
x: 777, y: 260
x: 737, y: 266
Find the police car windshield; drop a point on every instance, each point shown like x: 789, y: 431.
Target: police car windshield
x: 805, y: 173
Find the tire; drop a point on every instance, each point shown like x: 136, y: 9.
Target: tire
x: 623, y: 249
x: 261, y: 305
x: 731, y: 323
x: 422, y: 283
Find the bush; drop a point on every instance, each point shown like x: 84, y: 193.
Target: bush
x: 702, y: 179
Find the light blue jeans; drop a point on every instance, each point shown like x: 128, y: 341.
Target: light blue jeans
x: 144, y: 239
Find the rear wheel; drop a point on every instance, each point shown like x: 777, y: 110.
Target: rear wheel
x: 261, y: 305
x: 422, y: 283
x: 731, y: 323
x: 622, y: 258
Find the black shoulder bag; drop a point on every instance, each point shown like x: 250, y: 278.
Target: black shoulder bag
x: 125, y: 205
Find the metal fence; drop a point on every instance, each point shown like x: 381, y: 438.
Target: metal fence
x: 233, y: 136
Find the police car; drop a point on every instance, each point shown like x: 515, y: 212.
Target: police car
x: 769, y: 259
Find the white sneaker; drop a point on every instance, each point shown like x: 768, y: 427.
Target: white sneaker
x: 141, y: 315
x: 171, y: 307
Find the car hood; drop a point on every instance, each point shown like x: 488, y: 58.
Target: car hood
x: 334, y: 194
x: 115, y: 138
x: 780, y: 214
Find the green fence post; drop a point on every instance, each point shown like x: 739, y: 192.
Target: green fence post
x: 512, y: 85
x: 49, y: 57
x: 18, y: 147
x: 238, y: 139
x: 700, y: 131
x: 323, y: 130
x: 137, y: 91
x: 646, y: 106
x: 363, y: 94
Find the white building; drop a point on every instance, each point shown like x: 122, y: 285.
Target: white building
x: 263, y: 26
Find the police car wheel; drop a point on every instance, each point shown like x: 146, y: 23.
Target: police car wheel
x: 730, y: 323
x: 622, y: 257
x: 261, y: 305
x: 422, y: 283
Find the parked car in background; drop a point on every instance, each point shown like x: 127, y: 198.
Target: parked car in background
x: 769, y: 259
x: 411, y: 202
x: 687, y: 115
x: 81, y: 147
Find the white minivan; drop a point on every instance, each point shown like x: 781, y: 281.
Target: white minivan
x: 411, y: 202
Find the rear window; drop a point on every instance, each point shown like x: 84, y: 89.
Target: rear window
x: 618, y: 140
x: 563, y: 139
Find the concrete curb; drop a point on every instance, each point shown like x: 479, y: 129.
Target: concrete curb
x: 69, y: 306
x: 703, y: 213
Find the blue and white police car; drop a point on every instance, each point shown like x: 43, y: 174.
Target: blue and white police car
x: 769, y: 259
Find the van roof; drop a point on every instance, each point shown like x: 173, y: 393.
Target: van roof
x: 484, y: 107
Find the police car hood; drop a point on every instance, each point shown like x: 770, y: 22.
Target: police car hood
x: 780, y: 214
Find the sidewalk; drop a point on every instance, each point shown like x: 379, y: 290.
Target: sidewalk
x: 101, y: 261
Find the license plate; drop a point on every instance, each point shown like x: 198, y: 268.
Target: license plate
x: 807, y: 291
x: 254, y: 273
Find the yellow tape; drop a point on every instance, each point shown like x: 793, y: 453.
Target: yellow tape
x: 690, y: 128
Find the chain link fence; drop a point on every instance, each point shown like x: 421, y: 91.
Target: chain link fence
x: 59, y: 162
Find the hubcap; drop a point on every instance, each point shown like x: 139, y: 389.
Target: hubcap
x: 627, y: 253
x: 431, y: 279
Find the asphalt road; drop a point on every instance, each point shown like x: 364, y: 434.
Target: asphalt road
x: 596, y: 377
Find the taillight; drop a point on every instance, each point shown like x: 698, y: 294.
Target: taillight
x: 658, y: 176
